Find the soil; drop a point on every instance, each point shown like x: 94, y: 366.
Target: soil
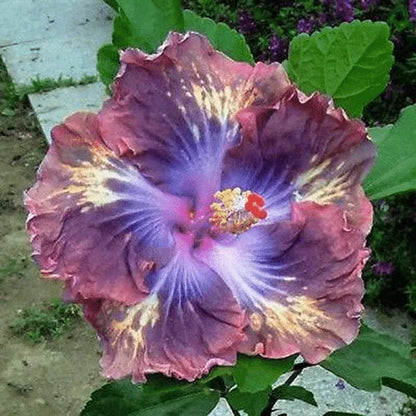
x: 54, y: 377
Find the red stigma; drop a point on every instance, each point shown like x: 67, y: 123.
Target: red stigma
x: 254, y: 204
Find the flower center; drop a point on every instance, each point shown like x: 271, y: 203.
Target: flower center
x: 235, y: 211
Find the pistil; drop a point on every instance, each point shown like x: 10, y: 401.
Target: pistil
x: 235, y: 211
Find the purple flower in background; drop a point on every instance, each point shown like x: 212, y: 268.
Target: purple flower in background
x: 208, y: 208
x: 367, y: 4
x: 344, y: 10
x: 305, y: 25
x: 412, y: 10
x: 383, y: 268
x: 322, y: 19
x: 278, y: 48
x: 246, y: 23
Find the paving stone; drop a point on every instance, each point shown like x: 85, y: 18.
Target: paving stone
x: 348, y: 399
x: 52, y: 107
x: 54, y: 38
x: 38, y: 20
x: 66, y: 58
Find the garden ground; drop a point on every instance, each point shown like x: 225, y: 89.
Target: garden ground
x: 54, y: 377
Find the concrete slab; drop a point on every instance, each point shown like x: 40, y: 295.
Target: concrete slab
x: 52, y: 107
x: 70, y: 58
x: 23, y: 21
x: 329, y: 397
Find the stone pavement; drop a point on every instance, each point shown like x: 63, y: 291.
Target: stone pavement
x: 52, y: 38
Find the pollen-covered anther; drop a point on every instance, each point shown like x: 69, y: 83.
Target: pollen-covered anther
x: 236, y: 211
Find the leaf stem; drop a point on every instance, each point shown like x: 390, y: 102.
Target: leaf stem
x: 273, y: 398
x: 235, y: 411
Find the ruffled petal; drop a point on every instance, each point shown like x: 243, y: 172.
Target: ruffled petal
x: 94, y: 221
x: 174, y: 111
x: 299, y: 280
x: 301, y: 149
x: 189, y: 323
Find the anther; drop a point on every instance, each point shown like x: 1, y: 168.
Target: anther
x: 236, y: 211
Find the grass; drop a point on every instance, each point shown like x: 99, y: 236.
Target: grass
x: 47, y: 322
x: 14, y: 267
x: 14, y: 95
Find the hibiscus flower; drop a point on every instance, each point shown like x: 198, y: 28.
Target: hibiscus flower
x: 208, y: 208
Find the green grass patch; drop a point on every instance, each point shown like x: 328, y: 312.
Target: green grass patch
x: 15, y: 267
x: 14, y: 95
x: 47, y: 322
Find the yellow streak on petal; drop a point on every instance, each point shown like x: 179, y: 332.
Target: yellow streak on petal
x: 129, y: 331
x: 299, y: 317
x: 89, y: 179
x: 312, y: 186
x: 224, y: 102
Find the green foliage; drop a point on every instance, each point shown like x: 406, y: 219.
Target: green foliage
x: 251, y: 403
x: 122, y: 398
x: 145, y: 24
x: 253, y: 374
x: 220, y: 35
x: 288, y: 392
x: 107, y: 63
x: 393, y: 217
x: 372, y: 360
x: 44, y: 323
x: 351, y: 63
x: 395, y: 168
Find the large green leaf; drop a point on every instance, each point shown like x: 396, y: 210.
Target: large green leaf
x: 351, y: 63
x: 253, y: 374
x: 220, y: 35
x: 395, y: 167
x: 374, y: 359
x: 251, y: 403
x: 146, y: 23
x: 122, y: 398
x: 288, y: 392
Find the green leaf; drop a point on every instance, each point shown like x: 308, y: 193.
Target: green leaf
x: 341, y: 414
x: 253, y: 374
x: 395, y: 167
x: 221, y: 36
x: 122, y: 398
x: 405, y: 388
x: 215, y: 372
x: 351, y: 63
x: 251, y: 403
x: 374, y: 359
x: 107, y: 63
x: 146, y: 23
x: 286, y: 392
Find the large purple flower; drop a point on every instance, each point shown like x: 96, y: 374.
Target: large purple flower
x: 209, y: 208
